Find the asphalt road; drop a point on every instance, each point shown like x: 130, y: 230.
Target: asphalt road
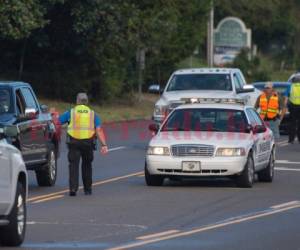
x: 123, y: 213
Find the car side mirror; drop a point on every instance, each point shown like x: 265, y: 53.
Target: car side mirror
x: 259, y: 129
x: 44, y: 108
x: 154, y: 128
x: 246, y: 89
x: 9, y: 131
x: 31, y: 113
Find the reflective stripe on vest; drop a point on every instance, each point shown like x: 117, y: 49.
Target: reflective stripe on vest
x: 82, y: 125
x: 295, y: 94
x: 269, y: 109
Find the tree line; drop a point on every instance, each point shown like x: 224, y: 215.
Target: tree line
x: 66, y: 46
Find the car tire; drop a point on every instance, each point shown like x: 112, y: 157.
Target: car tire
x: 47, y: 176
x: 153, y: 180
x: 267, y: 174
x: 14, y: 233
x: 246, y: 179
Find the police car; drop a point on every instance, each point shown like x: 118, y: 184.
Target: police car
x: 211, y: 137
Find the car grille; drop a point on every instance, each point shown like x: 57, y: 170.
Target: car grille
x: 193, y: 150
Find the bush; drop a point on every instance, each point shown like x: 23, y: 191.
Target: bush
x: 254, y: 69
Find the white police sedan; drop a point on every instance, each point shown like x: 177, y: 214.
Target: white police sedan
x: 211, y: 137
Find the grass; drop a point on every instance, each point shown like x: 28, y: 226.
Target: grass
x: 130, y: 110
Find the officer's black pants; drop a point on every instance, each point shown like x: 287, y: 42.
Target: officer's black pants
x: 294, y: 127
x: 80, y: 149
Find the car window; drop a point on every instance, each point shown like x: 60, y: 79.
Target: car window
x: 251, y: 117
x: 256, y: 117
x: 6, y: 103
x: 220, y: 120
x: 29, y: 99
x: 241, y: 80
x: 238, y: 85
x: 200, y: 82
x: 20, y: 103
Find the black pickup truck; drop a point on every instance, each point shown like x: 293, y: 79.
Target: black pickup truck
x: 38, y: 135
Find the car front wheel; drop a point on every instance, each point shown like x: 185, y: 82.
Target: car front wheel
x: 246, y: 179
x: 13, y: 234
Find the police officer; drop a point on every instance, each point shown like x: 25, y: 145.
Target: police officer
x: 292, y: 100
x: 271, y: 106
x: 83, y: 128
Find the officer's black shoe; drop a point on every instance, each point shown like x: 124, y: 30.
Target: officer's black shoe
x: 72, y: 193
x: 88, y: 192
x: 291, y: 141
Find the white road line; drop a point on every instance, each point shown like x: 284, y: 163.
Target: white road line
x: 150, y: 236
x: 287, y: 169
x: 287, y: 162
x: 291, y: 203
x: 115, y: 149
x: 221, y: 224
x: 283, y: 144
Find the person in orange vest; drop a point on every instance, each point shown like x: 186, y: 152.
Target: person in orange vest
x: 271, y: 108
x: 83, y: 128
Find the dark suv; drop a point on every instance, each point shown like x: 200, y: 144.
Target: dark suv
x: 38, y: 137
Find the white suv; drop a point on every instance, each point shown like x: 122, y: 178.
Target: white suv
x: 203, y: 83
x: 13, y: 191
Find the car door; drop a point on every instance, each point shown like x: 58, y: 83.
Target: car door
x: 258, y: 140
x: 265, y: 145
x: 238, y: 84
x: 37, y: 126
x: 5, y: 177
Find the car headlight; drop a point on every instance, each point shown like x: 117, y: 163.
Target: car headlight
x: 158, y: 151
x: 160, y: 110
x: 231, y: 152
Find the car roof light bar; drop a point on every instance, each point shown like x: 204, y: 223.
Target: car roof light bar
x: 214, y: 100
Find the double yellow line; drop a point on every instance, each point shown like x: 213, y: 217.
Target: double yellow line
x: 61, y: 194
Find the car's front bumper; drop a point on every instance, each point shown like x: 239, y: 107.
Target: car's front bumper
x: 212, y: 166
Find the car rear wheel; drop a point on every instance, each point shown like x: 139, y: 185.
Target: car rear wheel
x: 246, y: 179
x: 267, y: 174
x: 153, y: 180
x: 47, y: 176
x: 13, y: 234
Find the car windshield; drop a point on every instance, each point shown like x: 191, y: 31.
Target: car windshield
x: 6, y: 105
x: 200, y: 82
x: 206, y: 119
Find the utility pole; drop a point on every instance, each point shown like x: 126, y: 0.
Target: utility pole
x: 210, y: 37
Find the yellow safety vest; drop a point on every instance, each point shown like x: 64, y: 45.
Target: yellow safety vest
x: 295, y: 94
x: 82, y: 125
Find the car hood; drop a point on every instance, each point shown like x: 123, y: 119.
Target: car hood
x: 178, y: 95
x: 217, y: 139
x: 7, y: 119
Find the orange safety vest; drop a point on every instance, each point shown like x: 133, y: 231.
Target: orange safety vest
x: 82, y: 123
x: 269, y: 109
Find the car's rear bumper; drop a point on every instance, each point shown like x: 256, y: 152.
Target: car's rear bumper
x: 214, y: 166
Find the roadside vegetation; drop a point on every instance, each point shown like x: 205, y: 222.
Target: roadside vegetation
x: 121, y: 110
x: 113, y: 49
